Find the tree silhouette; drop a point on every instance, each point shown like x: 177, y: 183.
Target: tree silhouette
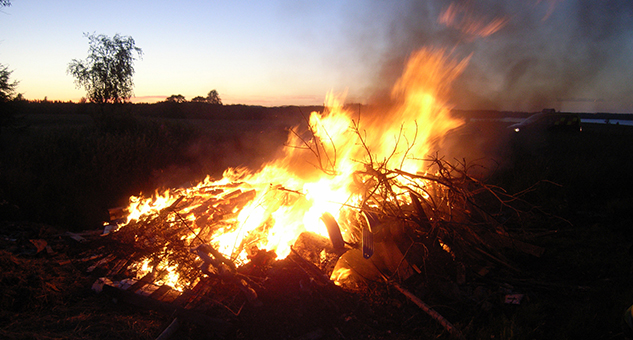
x: 198, y: 99
x: 7, y: 87
x: 214, y: 97
x: 176, y: 98
x: 106, y: 74
x: 7, y: 90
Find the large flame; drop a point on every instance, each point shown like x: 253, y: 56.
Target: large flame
x: 316, y: 174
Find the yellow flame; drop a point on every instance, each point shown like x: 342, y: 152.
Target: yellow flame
x: 169, y: 275
x: 340, y: 275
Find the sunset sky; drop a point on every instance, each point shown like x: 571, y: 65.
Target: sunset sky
x: 525, y: 54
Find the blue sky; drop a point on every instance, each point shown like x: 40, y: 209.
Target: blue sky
x: 265, y: 52
x: 571, y: 55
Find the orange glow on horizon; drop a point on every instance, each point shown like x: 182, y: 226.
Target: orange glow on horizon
x: 256, y: 100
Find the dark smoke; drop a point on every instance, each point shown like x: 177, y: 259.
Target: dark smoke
x: 569, y: 55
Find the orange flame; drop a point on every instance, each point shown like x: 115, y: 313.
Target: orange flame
x: 316, y: 174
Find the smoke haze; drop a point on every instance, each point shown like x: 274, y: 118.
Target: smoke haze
x: 526, y: 55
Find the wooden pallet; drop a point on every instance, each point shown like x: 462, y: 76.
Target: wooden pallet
x: 148, y: 294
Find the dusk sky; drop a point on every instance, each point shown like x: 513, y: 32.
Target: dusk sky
x: 573, y: 55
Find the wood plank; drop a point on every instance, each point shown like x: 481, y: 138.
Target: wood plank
x: 188, y: 295
x: 118, y: 266
x: 170, y: 296
x: 101, y: 262
x: 148, y: 278
x: 158, y: 293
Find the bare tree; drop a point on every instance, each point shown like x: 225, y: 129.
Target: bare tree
x: 106, y: 74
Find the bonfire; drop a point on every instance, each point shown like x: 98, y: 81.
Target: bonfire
x: 356, y: 196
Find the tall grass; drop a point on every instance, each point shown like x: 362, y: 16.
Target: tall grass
x: 66, y: 164
x: 70, y: 175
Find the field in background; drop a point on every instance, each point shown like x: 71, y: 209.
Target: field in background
x: 68, y: 169
x: 66, y: 164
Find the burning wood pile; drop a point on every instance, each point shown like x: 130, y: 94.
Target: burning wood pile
x: 352, y: 201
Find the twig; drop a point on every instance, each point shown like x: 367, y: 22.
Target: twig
x: 315, y: 149
x: 428, y: 310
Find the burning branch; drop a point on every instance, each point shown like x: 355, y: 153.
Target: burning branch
x: 315, y: 145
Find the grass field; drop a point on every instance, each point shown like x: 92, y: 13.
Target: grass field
x: 68, y: 169
x: 62, y: 172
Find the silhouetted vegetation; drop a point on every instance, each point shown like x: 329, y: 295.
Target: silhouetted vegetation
x: 66, y: 175
x: 67, y: 163
x: 214, y: 98
x: 7, y: 93
x: 7, y: 87
x: 107, y: 72
x: 176, y: 98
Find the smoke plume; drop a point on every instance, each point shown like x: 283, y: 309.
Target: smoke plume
x: 572, y: 55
